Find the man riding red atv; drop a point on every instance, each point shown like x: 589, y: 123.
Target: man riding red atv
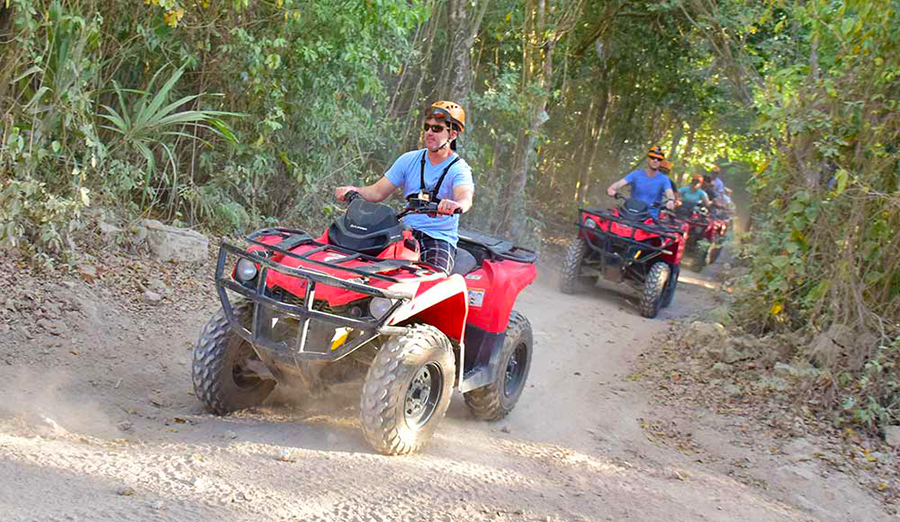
x: 626, y: 244
x: 357, y: 300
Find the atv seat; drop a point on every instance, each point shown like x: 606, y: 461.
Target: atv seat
x: 465, y: 262
x: 684, y: 212
x: 482, y: 247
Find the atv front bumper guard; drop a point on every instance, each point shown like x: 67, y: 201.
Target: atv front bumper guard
x: 268, y: 310
x: 608, y: 242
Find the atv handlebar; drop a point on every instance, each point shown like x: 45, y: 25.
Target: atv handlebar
x: 420, y: 206
x: 413, y: 205
x: 351, y: 195
x: 655, y: 204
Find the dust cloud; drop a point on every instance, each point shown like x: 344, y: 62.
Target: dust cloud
x: 50, y: 403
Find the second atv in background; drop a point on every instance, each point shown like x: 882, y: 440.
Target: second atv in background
x: 705, y: 235
x: 626, y: 245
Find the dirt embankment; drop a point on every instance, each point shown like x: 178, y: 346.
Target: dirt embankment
x: 99, y: 422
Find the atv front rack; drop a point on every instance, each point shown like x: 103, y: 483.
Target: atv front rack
x: 294, y: 238
x: 269, y: 306
x: 608, y: 239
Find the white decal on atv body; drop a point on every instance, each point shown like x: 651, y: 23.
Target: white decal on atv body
x: 441, y: 291
x: 474, y: 277
x: 476, y: 298
x: 332, y: 257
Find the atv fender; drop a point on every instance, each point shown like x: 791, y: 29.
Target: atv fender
x: 493, y: 290
x: 441, y: 303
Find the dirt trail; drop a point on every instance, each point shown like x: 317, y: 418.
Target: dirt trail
x: 100, y: 423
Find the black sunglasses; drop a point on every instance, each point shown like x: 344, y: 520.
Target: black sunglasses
x: 437, y: 129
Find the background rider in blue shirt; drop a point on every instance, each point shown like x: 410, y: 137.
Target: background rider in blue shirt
x: 648, y: 185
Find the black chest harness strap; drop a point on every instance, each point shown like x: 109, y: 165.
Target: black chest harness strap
x: 431, y: 195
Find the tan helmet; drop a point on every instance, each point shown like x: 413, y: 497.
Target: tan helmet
x: 450, y: 111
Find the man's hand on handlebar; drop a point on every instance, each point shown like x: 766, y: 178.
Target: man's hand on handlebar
x: 430, y: 208
x: 341, y: 192
x: 611, y: 192
x: 449, y: 207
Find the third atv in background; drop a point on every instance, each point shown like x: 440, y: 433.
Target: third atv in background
x: 706, y: 230
x: 626, y: 245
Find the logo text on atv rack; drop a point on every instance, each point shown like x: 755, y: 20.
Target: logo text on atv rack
x: 358, y: 227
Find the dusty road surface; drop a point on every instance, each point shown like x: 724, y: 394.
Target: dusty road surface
x: 99, y: 422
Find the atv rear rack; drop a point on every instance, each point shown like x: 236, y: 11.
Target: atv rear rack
x: 268, y: 310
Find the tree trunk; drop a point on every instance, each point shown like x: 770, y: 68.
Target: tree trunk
x: 584, y: 154
x: 688, y: 150
x: 410, y: 136
x: 597, y: 137
x: 537, y: 71
x: 467, y: 25
x: 676, y: 138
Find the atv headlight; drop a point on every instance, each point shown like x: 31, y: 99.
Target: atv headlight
x: 590, y: 223
x: 379, y: 306
x: 246, y: 270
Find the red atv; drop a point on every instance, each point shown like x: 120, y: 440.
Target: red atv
x: 356, y: 302
x: 706, y: 234
x: 627, y: 245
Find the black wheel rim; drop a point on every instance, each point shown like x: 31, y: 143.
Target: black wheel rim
x: 423, y: 395
x: 515, y: 370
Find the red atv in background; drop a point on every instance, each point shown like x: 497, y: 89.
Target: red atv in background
x: 706, y: 233
x: 356, y: 302
x: 626, y: 245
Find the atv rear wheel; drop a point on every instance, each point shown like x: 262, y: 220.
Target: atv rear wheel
x: 714, y: 250
x: 223, y: 379
x: 651, y: 294
x: 701, y: 258
x: 407, y: 390
x: 497, y: 399
x: 571, y: 268
x: 671, y: 285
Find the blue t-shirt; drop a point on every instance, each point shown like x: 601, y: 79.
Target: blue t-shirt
x: 690, y: 198
x: 647, y: 189
x: 404, y: 173
x: 719, y: 184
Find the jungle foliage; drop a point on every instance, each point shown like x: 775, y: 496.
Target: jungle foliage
x: 822, y: 77
x: 231, y: 115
